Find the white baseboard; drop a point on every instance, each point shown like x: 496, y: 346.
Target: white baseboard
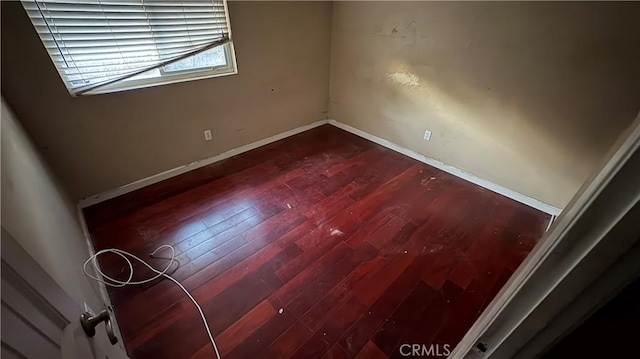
x: 90, y: 201
x: 516, y: 196
x: 532, y: 202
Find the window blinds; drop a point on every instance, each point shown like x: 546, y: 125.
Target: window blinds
x: 99, y: 42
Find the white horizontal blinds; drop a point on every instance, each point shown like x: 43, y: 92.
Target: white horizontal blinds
x: 93, y: 42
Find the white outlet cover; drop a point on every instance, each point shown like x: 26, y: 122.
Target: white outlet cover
x: 207, y: 135
x: 427, y: 135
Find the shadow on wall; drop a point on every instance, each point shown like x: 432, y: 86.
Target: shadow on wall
x: 546, y: 88
x: 37, y: 213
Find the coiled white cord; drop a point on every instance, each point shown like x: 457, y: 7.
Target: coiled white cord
x: 112, y: 282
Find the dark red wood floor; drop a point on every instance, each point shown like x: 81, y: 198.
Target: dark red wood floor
x: 364, y: 249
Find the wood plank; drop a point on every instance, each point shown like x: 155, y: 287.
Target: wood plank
x: 244, y: 327
x: 336, y: 352
x: 365, y: 328
x: 305, y: 279
x: 371, y: 351
x: 376, y: 282
x: 405, y: 318
x: 339, y: 319
x: 327, y: 279
x: 260, y: 340
x: 288, y: 342
x: 226, y: 308
x: 322, y: 244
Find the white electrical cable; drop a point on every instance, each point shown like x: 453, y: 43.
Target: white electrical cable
x: 112, y: 282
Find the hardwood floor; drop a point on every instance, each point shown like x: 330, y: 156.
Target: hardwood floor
x: 362, y: 248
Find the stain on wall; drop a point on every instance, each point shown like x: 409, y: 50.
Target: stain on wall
x: 527, y: 95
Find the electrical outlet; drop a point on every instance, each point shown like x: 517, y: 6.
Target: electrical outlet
x: 427, y: 135
x: 207, y: 135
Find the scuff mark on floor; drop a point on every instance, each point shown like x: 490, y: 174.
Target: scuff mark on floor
x: 336, y: 232
x: 426, y: 181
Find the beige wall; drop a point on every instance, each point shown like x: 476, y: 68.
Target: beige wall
x: 527, y: 95
x: 98, y: 143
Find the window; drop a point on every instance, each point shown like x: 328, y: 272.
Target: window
x: 101, y: 46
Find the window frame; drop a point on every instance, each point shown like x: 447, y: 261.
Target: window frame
x: 167, y: 78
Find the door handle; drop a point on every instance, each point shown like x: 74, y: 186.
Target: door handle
x: 90, y: 322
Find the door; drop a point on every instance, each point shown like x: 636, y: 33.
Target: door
x: 39, y: 319
x: 589, y: 254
